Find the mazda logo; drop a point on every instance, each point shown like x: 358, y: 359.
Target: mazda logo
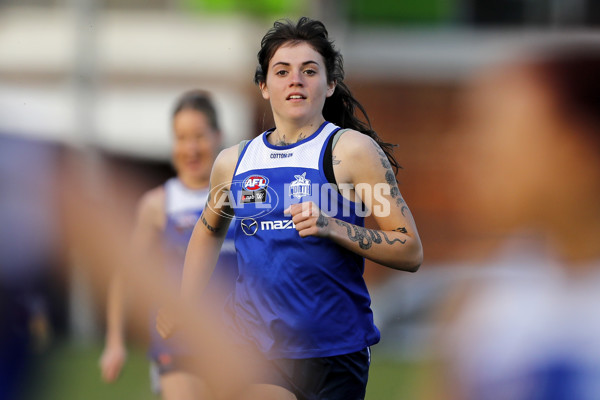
x: 249, y: 226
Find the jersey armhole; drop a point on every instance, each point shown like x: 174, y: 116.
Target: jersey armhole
x: 241, y: 147
x: 328, y: 156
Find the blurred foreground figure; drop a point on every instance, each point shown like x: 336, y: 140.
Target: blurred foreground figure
x: 530, y: 328
x: 97, y: 223
x: 28, y: 252
x: 55, y: 199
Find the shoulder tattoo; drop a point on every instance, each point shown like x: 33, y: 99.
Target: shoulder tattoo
x: 390, y: 178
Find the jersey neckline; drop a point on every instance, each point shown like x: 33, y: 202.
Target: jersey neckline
x: 291, y: 146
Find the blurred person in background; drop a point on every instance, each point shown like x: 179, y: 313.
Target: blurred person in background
x: 300, y: 299
x: 165, y: 219
x: 527, y: 326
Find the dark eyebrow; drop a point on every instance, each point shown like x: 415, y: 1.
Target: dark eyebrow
x: 286, y: 64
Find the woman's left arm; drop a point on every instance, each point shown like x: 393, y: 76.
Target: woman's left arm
x: 362, y: 165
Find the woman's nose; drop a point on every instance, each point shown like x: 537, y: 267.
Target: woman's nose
x: 296, y: 78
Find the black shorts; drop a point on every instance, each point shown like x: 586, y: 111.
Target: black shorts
x: 342, y: 377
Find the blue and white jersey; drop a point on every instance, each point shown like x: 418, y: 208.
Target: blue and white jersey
x: 183, y: 207
x: 295, y: 297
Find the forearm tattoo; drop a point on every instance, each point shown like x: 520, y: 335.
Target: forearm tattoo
x: 392, y: 241
x: 366, y: 237
x: 401, y: 230
x: 208, y: 226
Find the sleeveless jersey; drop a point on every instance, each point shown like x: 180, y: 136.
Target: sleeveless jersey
x: 183, y: 207
x: 295, y: 297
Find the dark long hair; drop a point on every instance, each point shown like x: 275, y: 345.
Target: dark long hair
x: 201, y: 101
x: 340, y: 107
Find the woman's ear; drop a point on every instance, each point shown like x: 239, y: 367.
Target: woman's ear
x: 263, y: 90
x: 331, y: 88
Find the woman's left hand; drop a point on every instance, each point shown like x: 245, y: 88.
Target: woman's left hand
x: 309, y: 219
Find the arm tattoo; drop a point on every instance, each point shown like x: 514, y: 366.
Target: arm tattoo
x: 382, y: 157
x: 365, y: 237
x: 392, y: 241
x: 390, y: 178
x: 208, y: 226
x: 384, y: 160
x: 322, y: 221
x: 401, y: 230
x: 335, y: 161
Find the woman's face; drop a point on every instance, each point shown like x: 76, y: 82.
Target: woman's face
x: 296, y: 83
x: 195, y: 146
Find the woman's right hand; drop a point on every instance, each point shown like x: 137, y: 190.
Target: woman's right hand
x: 111, y: 362
x: 165, y: 322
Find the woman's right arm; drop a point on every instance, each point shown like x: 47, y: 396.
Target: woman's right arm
x: 210, y: 230
x: 207, y: 238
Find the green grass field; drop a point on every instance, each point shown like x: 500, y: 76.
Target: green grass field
x: 71, y: 372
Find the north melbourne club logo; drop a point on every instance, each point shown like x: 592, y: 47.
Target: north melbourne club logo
x: 300, y: 187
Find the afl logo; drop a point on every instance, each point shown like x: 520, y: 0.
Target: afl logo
x: 249, y: 226
x: 255, y: 182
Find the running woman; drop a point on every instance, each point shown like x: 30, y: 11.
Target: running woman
x: 299, y: 193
